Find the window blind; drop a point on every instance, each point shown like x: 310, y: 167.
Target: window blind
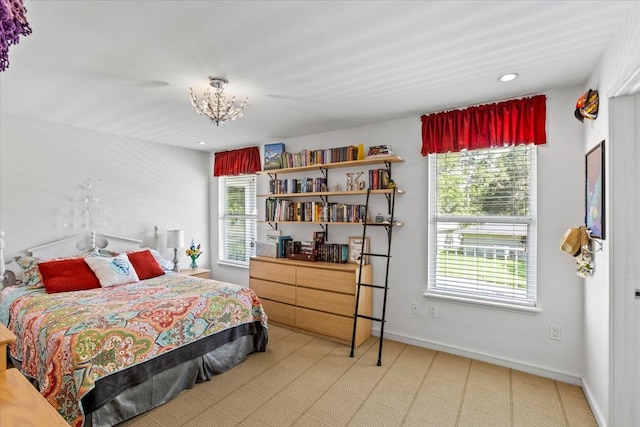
x: 482, y: 224
x: 237, y: 218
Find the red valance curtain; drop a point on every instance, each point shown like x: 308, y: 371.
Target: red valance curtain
x: 519, y: 121
x: 237, y: 162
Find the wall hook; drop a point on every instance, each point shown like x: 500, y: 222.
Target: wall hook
x: 597, y: 242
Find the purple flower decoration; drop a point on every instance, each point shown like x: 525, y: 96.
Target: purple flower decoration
x: 13, y: 24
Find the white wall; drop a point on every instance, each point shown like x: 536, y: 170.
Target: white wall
x: 139, y: 185
x: 506, y: 337
x: 617, y: 65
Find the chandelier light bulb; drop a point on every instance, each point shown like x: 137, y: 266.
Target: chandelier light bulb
x: 215, y: 106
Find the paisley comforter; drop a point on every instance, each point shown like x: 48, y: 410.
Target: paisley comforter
x: 68, y: 341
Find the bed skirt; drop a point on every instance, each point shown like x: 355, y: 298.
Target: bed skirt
x: 156, y: 385
x: 133, y: 391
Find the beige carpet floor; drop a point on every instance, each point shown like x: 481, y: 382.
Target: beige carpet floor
x: 303, y: 380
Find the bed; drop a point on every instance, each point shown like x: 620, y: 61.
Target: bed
x: 103, y: 354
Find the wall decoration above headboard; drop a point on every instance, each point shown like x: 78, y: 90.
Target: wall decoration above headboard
x: 85, y: 212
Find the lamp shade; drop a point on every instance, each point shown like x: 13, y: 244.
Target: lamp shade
x: 175, y: 238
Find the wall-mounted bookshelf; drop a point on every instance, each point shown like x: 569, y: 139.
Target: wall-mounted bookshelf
x: 331, y: 193
x: 347, y: 164
x: 323, y: 168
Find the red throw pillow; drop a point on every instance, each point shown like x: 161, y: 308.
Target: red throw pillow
x: 65, y: 275
x: 145, y: 264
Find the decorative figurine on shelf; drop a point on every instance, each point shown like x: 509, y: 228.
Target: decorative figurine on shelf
x: 357, y: 183
x: 194, y: 252
x: 335, y: 187
x: 349, y: 181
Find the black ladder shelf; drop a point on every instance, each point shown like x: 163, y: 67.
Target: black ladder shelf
x: 388, y: 225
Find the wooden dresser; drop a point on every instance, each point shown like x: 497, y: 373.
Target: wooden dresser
x: 316, y: 297
x: 20, y: 403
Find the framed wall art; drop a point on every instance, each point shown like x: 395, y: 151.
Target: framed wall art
x: 272, y: 153
x: 355, y: 249
x: 594, y: 191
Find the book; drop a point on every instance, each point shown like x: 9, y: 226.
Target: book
x: 384, y: 178
x: 282, y: 244
x: 273, y: 155
x: 307, y: 247
x: 379, y: 151
x: 273, y: 236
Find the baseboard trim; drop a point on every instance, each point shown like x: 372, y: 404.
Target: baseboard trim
x: 531, y: 369
x: 595, y: 408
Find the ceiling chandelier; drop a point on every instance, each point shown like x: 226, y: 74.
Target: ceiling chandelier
x: 215, y: 106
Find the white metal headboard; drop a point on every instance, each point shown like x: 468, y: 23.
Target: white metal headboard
x: 75, y: 245
x: 83, y: 243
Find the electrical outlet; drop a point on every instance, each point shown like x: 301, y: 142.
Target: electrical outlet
x: 554, y: 332
x: 433, y: 311
x: 414, y: 308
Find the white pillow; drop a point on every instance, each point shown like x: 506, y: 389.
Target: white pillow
x: 113, y: 271
x: 164, y: 263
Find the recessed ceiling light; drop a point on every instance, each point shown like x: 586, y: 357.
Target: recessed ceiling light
x: 508, y: 77
x: 202, y: 143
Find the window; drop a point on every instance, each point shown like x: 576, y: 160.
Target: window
x: 482, y: 225
x: 237, y: 218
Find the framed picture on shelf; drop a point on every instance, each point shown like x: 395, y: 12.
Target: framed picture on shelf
x: 272, y: 155
x: 355, y: 249
x: 318, y: 237
x: 594, y: 191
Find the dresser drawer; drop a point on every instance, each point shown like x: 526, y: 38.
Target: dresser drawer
x: 273, y: 291
x: 275, y: 272
x: 279, y: 312
x: 328, y: 324
x: 316, y: 297
x: 331, y: 302
x: 329, y: 280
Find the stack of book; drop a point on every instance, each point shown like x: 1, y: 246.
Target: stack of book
x: 280, y: 242
x: 304, y: 251
x: 333, y: 252
x: 302, y: 185
x: 379, y: 151
x: 287, y: 210
x: 318, y: 157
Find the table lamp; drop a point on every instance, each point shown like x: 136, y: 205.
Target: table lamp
x: 175, y: 240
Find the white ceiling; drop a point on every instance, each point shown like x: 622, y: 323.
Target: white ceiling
x: 125, y: 67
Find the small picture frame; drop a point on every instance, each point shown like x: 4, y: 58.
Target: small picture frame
x: 594, y: 214
x: 273, y: 156
x: 355, y: 249
x: 319, y: 237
